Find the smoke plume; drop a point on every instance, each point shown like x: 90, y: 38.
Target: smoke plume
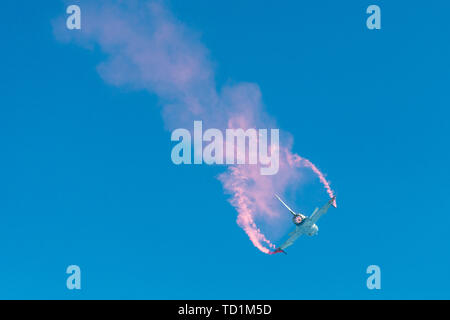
x: 147, y: 48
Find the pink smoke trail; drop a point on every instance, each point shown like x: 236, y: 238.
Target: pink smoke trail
x: 147, y: 48
x: 253, y: 193
x: 299, y: 161
x: 322, y: 179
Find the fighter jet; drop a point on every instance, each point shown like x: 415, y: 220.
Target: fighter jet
x: 303, y: 224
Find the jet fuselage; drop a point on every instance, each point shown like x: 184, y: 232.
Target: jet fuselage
x: 306, y: 225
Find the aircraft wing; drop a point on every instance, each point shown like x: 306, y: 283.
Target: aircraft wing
x: 292, y: 237
x: 318, y: 213
x: 292, y: 211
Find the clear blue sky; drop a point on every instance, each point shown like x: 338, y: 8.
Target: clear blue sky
x: 87, y: 178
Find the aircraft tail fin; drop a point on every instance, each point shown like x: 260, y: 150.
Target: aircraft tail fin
x: 290, y: 210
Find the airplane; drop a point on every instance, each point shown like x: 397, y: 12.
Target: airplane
x: 303, y: 224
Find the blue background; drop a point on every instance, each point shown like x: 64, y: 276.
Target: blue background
x: 86, y: 176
